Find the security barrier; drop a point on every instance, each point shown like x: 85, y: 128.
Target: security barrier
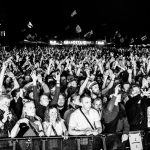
x: 99, y: 142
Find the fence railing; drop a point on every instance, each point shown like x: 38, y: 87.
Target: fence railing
x: 99, y: 142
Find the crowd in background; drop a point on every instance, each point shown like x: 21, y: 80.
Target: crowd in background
x: 74, y: 90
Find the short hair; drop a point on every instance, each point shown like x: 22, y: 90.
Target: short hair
x: 84, y: 95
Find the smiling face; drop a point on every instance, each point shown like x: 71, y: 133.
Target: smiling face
x: 44, y: 100
x: 97, y: 104
x: 61, y: 101
x: 95, y: 89
x: 135, y: 91
x: 53, y: 114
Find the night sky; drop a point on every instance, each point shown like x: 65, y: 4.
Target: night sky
x: 52, y: 18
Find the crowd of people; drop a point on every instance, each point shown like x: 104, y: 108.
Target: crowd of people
x: 74, y: 90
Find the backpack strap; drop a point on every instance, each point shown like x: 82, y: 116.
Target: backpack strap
x: 54, y: 130
x: 87, y: 119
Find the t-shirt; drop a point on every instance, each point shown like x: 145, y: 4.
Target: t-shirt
x: 79, y: 122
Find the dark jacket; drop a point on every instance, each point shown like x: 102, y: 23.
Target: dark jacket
x: 114, y: 118
x: 136, y: 108
x: 40, y: 109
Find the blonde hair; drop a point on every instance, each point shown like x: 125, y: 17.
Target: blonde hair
x: 24, y: 108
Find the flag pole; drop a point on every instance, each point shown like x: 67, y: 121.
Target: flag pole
x: 79, y: 36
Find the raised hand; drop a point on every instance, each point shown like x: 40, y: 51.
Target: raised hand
x: 57, y: 76
x: 117, y: 89
x: 87, y: 72
x: 33, y: 75
x: 129, y: 71
x: 39, y: 78
x: 112, y: 75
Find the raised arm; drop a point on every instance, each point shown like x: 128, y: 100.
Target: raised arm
x: 4, y: 67
x: 57, y: 90
x: 43, y: 84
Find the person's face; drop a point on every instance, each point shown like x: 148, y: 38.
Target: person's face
x: 92, y: 77
x: 63, y: 80
x: 5, y: 102
x: 107, y: 66
x: 86, y: 66
x: 104, y: 99
x: 62, y: 67
x: 27, y: 78
x: 8, y: 80
x: 86, y: 103
x: 52, y: 90
x: 74, y: 84
x: 74, y: 97
x: 126, y: 87
x: 53, y: 114
x: 30, y: 109
x: 61, y: 100
x: 31, y: 95
x: 95, y: 89
x: 98, y: 105
x: 44, y: 100
x: 20, y: 81
x: 135, y: 91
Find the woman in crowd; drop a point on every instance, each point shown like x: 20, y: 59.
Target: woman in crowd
x: 29, y: 125
x: 106, y: 66
x: 7, y: 120
x: 54, y: 126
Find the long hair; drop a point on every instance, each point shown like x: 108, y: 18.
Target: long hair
x: 47, y: 116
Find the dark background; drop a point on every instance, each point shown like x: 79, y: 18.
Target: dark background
x: 52, y: 18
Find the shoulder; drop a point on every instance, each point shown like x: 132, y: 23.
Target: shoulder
x: 75, y: 113
x: 94, y: 111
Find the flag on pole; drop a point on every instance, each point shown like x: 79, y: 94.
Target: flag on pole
x: 30, y: 25
x: 143, y: 38
x: 78, y: 29
x: 132, y: 40
x: 73, y: 13
x: 88, y: 34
